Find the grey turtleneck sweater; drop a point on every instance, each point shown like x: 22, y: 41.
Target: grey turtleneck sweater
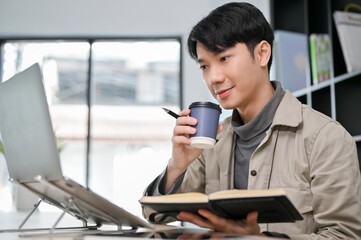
x: 250, y: 135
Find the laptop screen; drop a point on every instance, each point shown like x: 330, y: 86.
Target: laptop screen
x: 26, y: 130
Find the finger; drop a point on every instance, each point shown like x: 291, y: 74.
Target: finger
x: 181, y: 140
x: 219, y: 223
x: 206, y: 213
x: 228, y: 225
x: 209, y: 215
x: 195, y: 219
x: 252, y: 218
x: 183, y: 130
x: 220, y: 128
x: 252, y: 225
x: 185, y: 236
x: 185, y: 112
x: 186, y: 121
x: 193, y: 236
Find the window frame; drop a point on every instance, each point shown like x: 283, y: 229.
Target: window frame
x: 90, y: 84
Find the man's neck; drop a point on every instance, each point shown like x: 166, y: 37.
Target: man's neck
x: 250, y: 111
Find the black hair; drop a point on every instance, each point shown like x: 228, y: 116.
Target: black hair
x: 228, y: 25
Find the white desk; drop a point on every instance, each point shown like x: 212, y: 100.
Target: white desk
x: 46, y: 220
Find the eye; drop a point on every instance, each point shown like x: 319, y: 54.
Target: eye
x: 225, y: 58
x: 203, y: 67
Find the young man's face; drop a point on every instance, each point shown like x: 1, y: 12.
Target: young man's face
x: 233, y: 76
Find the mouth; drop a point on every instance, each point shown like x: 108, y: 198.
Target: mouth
x: 222, y: 93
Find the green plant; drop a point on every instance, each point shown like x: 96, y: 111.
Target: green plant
x: 60, y: 144
x: 1, y: 147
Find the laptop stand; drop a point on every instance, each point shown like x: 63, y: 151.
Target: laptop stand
x: 66, y: 209
x: 21, y: 229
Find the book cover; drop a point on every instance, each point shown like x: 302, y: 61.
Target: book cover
x: 291, y: 59
x: 348, y: 26
x: 272, y: 205
x: 321, y: 60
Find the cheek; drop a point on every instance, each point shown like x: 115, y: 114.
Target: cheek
x: 206, y: 82
x: 242, y: 74
x: 210, y: 88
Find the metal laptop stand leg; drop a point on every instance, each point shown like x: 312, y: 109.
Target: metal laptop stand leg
x: 53, y: 228
x: 30, y: 213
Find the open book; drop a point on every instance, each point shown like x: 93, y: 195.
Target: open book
x: 272, y: 205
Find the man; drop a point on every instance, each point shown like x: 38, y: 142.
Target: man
x: 270, y: 141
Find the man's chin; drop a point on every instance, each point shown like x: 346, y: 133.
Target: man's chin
x: 225, y: 105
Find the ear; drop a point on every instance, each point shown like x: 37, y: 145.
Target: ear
x: 263, y: 53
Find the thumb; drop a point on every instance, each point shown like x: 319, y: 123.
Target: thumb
x: 252, y: 217
x: 220, y: 128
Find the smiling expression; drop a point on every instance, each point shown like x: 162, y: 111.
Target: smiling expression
x: 234, y: 77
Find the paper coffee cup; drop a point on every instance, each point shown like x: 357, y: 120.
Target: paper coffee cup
x: 207, y: 114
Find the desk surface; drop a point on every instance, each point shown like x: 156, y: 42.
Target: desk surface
x: 12, y: 220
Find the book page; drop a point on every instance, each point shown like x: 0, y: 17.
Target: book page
x: 227, y: 194
x: 192, y: 197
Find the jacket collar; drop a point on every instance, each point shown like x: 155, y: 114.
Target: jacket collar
x: 225, y: 136
x: 226, y: 130
x: 289, y: 112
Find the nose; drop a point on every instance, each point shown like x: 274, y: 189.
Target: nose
x: 215, y: 75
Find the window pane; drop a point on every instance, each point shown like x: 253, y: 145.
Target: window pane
x: 131, y: 135
x: 64, y: 66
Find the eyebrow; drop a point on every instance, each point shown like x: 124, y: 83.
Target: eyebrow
x: 200, y: 60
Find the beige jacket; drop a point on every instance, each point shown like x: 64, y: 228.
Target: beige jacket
x: 305, y: 153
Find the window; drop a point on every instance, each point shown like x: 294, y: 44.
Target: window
x: 105, y: 98
x: 64, y: 66
x: 132, y: 80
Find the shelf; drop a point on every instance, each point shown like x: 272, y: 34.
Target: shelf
x: 313, y: 88
x: 321, y: 85
x: 347, y: 101
x: 301, y: 92
x: 338, y: 97
x: 346, y: 76
x: 321, y: 101
x: 325, y: 84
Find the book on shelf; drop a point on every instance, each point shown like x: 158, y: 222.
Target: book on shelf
x: 291, y: 59
x: 272, y: 205
x: 348, y: 26
x: 321, y: 60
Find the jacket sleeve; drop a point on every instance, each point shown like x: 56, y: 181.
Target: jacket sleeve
x: 154, y: 188
x: 194, y: 177
x: 191, y: 181
x: 335, y: 185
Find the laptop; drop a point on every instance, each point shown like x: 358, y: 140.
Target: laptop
x: 32, y: 157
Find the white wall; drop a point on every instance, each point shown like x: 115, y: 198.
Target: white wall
x: 121, y: 18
